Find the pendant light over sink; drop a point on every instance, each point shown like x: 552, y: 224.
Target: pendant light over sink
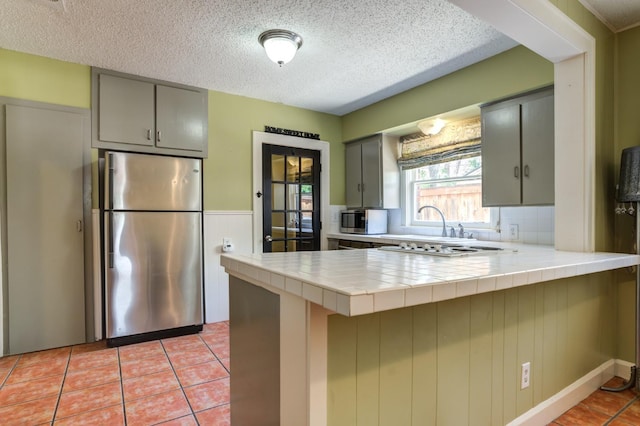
x: 281, y: 45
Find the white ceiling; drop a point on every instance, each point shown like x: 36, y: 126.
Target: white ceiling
x: 618, y: 15
x: 354, y: 53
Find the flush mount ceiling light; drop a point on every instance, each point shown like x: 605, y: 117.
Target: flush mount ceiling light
x: 431, y: 127
x: 281, y: 45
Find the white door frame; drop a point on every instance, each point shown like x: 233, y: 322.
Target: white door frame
x: 260, y: 138
x: 543, y: 28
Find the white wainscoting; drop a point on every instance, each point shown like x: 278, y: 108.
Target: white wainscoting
x: 238, y: 226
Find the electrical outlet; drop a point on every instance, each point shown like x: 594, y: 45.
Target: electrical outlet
x: 525, y: 375
x: 227, y: 245
x: 513, y: 232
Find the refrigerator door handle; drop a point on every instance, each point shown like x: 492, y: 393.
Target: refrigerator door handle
x: 110, y: 255
x: 110, y: 183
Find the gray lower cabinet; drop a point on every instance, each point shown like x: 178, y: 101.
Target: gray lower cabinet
x: 143, y: 115
x: 372, y: 174
x: 518, y: 151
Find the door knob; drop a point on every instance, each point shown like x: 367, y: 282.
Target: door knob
x: 268, y: 238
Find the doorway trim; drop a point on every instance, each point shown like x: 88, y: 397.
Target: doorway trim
x: 260, y: 138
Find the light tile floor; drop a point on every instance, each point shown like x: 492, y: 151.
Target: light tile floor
x: 604, y: 408
x: 178, y: 381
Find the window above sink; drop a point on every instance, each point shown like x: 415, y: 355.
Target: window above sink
x: 455, y: 187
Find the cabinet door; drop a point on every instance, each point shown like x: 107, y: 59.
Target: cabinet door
x: 538, y: 151
x: 126, y: 111
x: 371, y: 174
x: 179, y: 118
x: 353, y: 159
x: 501, y: 156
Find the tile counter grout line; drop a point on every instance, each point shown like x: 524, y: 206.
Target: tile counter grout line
x: 627, y: 405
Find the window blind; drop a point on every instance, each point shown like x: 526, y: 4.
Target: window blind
x: 457, y: 140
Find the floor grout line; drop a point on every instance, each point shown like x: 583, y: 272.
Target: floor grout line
x: 627, y: 405
x: 64, y: 377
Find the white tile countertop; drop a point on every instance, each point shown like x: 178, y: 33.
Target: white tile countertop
x: 356, y: 282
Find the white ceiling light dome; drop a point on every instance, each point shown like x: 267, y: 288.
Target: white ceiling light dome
x: 431, y: 127
x: 280, y: 45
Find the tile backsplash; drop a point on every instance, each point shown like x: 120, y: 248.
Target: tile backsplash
x: 535, y: 225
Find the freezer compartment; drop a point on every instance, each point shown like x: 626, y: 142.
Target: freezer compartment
x: 152, y: 182
x: 153, y: 271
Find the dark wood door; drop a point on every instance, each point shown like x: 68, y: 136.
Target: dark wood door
x: 291, y: 199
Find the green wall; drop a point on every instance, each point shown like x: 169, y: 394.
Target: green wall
x: 458, y: 362
x: 514, y: 71
x: 228, y: 171
x: 36, y: 78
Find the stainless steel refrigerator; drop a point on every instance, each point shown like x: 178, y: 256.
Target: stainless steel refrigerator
x: 152, y: 246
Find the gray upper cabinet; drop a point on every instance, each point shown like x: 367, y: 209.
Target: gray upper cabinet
x: 143, y: 115
x: 372, y: 174
x: 126, y: 110
x: 518, y: 151
x: 180, y: 124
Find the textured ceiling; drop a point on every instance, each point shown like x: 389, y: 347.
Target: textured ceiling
x: 617, y: 14
x: 354, y: 53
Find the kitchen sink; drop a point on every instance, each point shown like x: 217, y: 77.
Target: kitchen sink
x: 443, y: 250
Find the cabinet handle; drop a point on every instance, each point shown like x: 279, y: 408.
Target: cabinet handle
x: 159, y: 135
x: 358, y: 187
x: 148, y: 134
x: 526, y: 170
x: 79, y: 226
x: 516, y: 172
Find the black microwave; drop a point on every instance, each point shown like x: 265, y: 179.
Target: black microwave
x: 364, y: 221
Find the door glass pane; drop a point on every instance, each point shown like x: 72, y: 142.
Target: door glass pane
x: 277, y: 167
x: 277, y: 246
x: 293, y: 221
x: 306, y: 197
x: 291, y: 245
x: 277, y: 225
x: 277, y: 196
x: 305, y: 245
x: 307, y: 222
x: 293, y: 169
x: 292, y: 201
x: 306, y: 170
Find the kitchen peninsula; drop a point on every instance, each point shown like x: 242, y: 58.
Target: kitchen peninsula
x: 378, y: 337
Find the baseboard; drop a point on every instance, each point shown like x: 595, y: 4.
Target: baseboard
x: 623, y: 369
x: 552, y: 408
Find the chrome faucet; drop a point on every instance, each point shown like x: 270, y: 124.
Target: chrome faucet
x: 460, y: 231
x: 444, y: 226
